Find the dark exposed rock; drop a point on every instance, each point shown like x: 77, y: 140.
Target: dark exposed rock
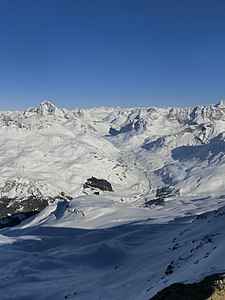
x: 14, y: 210
x: 169, y: 269
x: 157, y: 201
x: 161, y: 194
x: 166, y: 191
x: 95, y: 183
x: 63, y: 195
x: 15, y: 219
x: 205, y: 289
x: 9, y: 206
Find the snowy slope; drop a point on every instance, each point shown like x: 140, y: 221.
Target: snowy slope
x: 106, y: 250
x: 165, y: 165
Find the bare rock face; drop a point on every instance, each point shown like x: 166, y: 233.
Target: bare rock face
x: 166, y: 192
x: 13, y: 211
x: 96, y: 185
x: 161, y: 194
x: 9, y: 207
x: 210, y: 288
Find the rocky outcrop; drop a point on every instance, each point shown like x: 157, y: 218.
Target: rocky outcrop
x: 9, y: 206
x: 161, y: 194
x: 96, y: 185
x: 166, y: 191
x: 15, y: 219
x: 210, y: 288
x: 14, y: 210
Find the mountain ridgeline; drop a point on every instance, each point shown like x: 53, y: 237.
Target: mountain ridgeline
x: 48, y: 152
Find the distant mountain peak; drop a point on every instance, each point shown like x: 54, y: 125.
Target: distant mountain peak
x: 47, y: 107
x: 47, y: 104
x: 221, y: 104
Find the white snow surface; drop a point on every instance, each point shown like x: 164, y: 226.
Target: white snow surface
x: 112, y: 245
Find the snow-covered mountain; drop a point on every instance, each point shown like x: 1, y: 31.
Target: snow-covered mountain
x: 119, y: 191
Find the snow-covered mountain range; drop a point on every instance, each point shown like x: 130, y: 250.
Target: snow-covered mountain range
x: 130, y: 200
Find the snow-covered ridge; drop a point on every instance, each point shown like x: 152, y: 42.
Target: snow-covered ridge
x: 120, y: 116
x: 128, y: 147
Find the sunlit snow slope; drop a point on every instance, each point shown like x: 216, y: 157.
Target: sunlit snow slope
x: 164, y: 167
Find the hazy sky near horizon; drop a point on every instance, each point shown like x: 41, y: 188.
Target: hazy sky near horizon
x: 84, y: 53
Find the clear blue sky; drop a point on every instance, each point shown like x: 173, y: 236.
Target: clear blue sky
x: 84, y: 53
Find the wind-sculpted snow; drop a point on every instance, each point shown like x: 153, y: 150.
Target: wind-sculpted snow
x: 93, y: 248
x: 118, y: 192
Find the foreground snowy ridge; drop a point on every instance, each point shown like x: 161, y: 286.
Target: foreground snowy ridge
x: 127, y: 200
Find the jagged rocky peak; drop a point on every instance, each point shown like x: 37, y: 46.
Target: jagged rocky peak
x: 44, y: 109
x: 47, y: 107
x: 208, y: 113
x: 221, y: 104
